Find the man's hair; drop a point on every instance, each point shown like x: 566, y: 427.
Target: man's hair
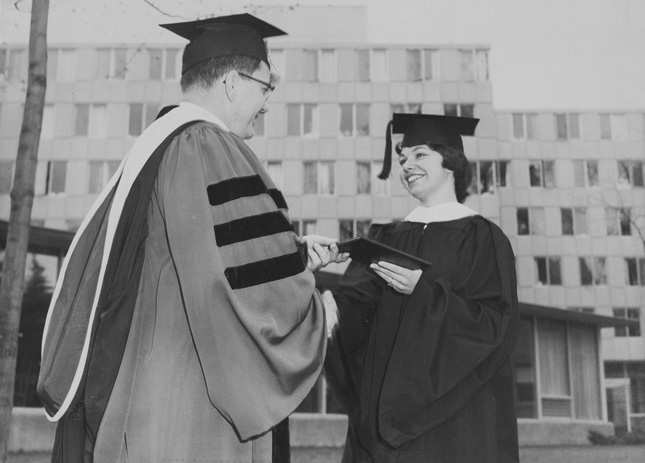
x: 456, y: 161
x: 204, y: 74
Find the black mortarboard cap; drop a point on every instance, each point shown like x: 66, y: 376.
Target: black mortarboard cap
x: 426, y: 129
x: 238, y: 34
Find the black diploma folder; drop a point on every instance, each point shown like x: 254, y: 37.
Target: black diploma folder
x: 368, y: 251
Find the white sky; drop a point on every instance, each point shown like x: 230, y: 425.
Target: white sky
x: 545, y: 54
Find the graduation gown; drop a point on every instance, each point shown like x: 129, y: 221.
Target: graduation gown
x: 205, y: 329
x: 427, y: 377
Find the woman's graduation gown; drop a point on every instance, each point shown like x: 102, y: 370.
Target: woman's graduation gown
x: 427, y: 377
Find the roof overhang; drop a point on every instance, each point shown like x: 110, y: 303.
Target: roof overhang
x: 42, y: 240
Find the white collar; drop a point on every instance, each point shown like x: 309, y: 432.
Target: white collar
x: 439, y: 213
x: 196, y: 108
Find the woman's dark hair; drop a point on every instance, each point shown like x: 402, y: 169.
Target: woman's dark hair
x: 204, y: 73
x: 456, y: 161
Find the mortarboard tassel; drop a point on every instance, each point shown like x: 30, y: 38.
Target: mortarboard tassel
x: 387, y: 160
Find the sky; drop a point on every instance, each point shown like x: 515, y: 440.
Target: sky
x: 569, y: 55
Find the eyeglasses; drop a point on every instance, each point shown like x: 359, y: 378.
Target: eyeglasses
x: 268, y: 87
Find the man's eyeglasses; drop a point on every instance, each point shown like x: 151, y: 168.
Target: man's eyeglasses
x: 268, y: 87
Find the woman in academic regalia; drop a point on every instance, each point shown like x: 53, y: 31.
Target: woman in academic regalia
x: 421, y: 358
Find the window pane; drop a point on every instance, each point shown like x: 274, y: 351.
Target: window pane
x: 612, y: 221
x: 467, y: 67
x: 554, y: 370
x: 541, y: 270
x: 518, y: 126
x: 171, y: 64
x: 363, y: 119
x: 574, y: 126
x: 503, y: 174
x: 450, y: 109
x: 599, y: 270
x: 309, y: 227
x: 537, y: 221
x: 363, y: 68
x: 346, y: 120
x: 414, y: 65
x: 579, y: 173
x: 155, y: 58
x: 362, y: 227
x: 102, y: 68
x: 363, y: 178
x: 632, y: 272
x: 98, y: 121
x: 555, y: 273
x: 625, y: 221
x: 549, y: 176
x: 379, y: 187
x: 634, y: 314
x: 638, y: 173
x: 66, y: 71
x: 326, y: 178
x: 311, y: 178
x: 430, y: 65
x: 151, y: 114
x: 580, y: 217
x: 345, y: 229
x: 567, y: 221
x: 482, y: 65
x: 522, y: 221
x: 592, y: 173
x: 310, y: 122
x: 379, y: 66
x: 585, y: 373
x: 561, y: 126
x: 586, y: 275
x: 523, y: 358
x: 531, y: 126
x: 120, y: 63
x: 328, y: 66
x: 6, y: 175
x: 16, y: 65
x: 486, y: 178
x: 135, y: 125
x: 274, y: 168
x: 467, y: 110
x: 641, y: 271
x: 82, y: 118
x: 624, y: 173
x: 96, y: 176
x: 535, y: 173
x: 605, y: 127
x: 47, y: 131
x: 310, y: 72
x: 620, y: 331
x: 58, y: 172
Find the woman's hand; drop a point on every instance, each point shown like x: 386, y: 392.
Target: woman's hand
x: 400, y: 279
x: 322, y: 251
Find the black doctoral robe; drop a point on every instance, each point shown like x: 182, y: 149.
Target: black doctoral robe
x: 427, y: 377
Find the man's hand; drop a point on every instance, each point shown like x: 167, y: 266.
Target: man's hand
x: 321, y: 251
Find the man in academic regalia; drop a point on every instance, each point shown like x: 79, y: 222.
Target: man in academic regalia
x: 185, y: 325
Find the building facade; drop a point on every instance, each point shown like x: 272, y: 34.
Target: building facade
x: 566, y: 187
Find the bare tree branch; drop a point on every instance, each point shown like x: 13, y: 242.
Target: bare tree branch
x: 152, y: 5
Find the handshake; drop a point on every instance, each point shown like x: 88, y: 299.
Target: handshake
x: 321, y: 251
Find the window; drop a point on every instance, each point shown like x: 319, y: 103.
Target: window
x: 90, y: 120
x: 488, y: 176
x: 319, y: 178
x: 162, y: 64
x: 328, y: 66
x: 422, y: 64
x: 277, y: 59
x: 61, y: 64
x: 274, y: 168
x: 619, y: 221
x: 567, y: 126
x: 592, y: 271
x: 309, y: 227
x: 379, y: 66
x: 461, y: 110
x: 635, y: 271
x: 6, y: 177
x: 630, y: 173
x: 56, y: 176
x: 13, y: 64
x: 111, y: 63
x: 310, y: 69
x: 525, y: 126
x: 474, y: 65
x: 613, y: 127
x: 141, y: 116
x: 363, y: 65
x: 100, y: 174
x: 585, y: 173
x: 632, y: 330
x: 409, y: 108
x: 363, y: 178
x: 354, y: 120
x: 541, y: 174
x: 523, y: 358
x: 530, y: 221
x: 350, y: 228
x: 548, y: 270
x: 574, y: 220
x: 302, y: 120
x: 555, y: 383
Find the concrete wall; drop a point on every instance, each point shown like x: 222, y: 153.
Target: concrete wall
x: 31, y: 432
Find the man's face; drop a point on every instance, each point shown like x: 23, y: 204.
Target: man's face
x: 252, y: 102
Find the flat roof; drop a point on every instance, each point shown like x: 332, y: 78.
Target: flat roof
x: 42, y: 240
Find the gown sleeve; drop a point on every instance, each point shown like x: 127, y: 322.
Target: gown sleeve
x: 453, y: 338
x: 256, y: 320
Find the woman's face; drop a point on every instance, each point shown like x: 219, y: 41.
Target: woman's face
x: 423, y: 176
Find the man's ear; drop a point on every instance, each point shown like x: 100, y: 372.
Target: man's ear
x: 231, y: 82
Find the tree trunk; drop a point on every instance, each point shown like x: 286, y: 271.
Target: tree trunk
x: 22, y: 198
